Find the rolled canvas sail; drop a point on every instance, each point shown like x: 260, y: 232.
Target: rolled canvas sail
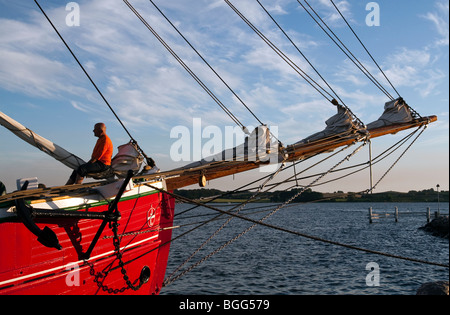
x: 339, y: 124
x: 257, y: 147
x: 41, y: 143
x: 395, y: 112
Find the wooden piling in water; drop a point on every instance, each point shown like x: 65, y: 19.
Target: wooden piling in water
x: 396, y: 214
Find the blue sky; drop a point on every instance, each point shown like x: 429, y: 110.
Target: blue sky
x: 42, y: 87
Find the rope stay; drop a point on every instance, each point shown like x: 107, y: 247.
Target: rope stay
x: 284, y: 205
x: 183, y: 64
x: 398, y: 159
x: 300, y: 52
x: 261, y: 222
x: 364, y: 165
x: 237, y: 214
x: 207, y: 63
x: 346, y: 51
x: 240, y: 207
x: 294, y: 66
x: 365, y: 48
x: 344, y: 48
x: 373, y: 59
x: 174, y: 277
x: 282, y: 229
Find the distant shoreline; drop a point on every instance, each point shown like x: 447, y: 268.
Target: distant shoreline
x: 323, y: 201
x: 429, y: 195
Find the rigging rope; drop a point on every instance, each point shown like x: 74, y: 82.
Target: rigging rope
x: 206, y: 62
x: 286, y: 204
x: 345, y: 50
x: 294, y: 66
x: 256, y: 223
x: 351, y: 56
x: 300, y: 52
x: 168, y: 281
x: 362, y: 44
x: 172, y: 277
x: 307, y: 235
x: 396, y: 161
x: 241, y: 206
x: 183, y: 64
x: 373, y: 59
x: 365, y: 165
x: 260, y: 222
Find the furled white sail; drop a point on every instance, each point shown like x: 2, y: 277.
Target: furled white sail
x: 41, y: 143
x: 395, y: 112
x: 257, y: 147
x: 341, y: 125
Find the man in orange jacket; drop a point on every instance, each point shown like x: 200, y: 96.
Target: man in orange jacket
x: 100, y: 159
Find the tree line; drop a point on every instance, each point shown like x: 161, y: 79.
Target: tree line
x: 427, y: 195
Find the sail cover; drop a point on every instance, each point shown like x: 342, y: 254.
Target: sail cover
x: 340, y: 124
x: 395, y: 112
x: 256, y: 147
x: 41, y: 143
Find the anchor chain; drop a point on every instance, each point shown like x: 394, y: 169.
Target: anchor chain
x: 102, y: 275
x: 116, y: 242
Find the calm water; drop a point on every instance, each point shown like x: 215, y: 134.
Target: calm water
x: 267, y: 261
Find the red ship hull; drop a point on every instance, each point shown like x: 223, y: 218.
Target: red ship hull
x: 28, y: 267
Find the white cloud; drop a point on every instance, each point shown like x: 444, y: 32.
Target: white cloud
x: 146, y: 86
x: 329, y: 13
x: 80, y: 107
x: 133, y: 70
x: 414, y: 68
x: 151, y: 93
x: 34, y: 74
x: 440, y: 20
